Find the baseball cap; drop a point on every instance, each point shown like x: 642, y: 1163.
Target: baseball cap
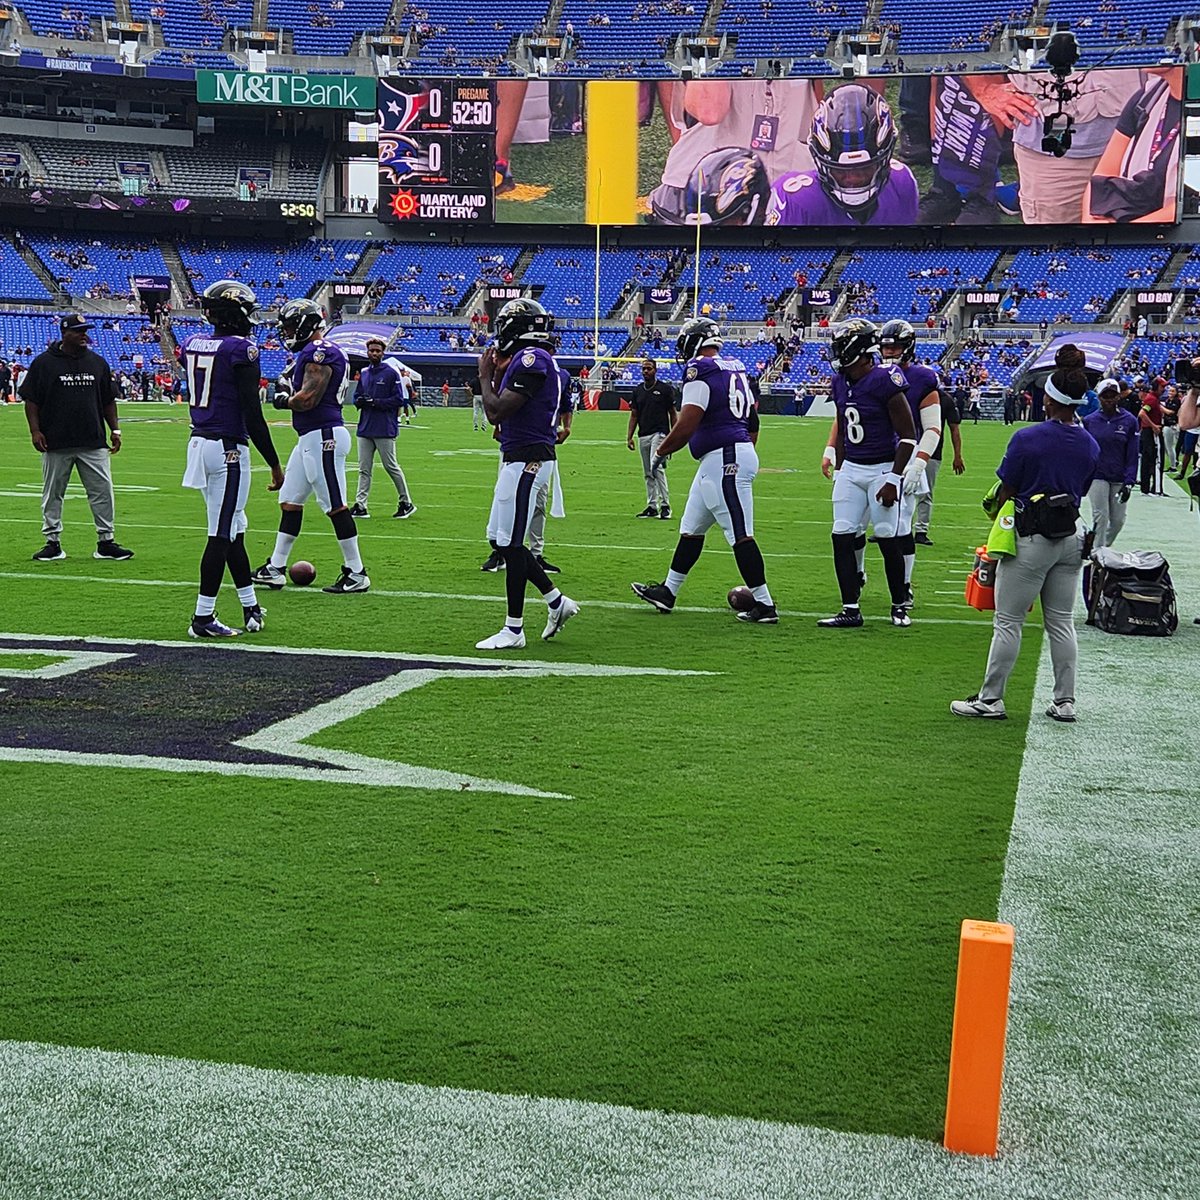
x: 74, y: 321
x: 1107, y: 385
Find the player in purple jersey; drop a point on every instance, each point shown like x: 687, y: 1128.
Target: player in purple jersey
x: 313, y: 391
x: 875, y: 438
x: 525, y: 404
x: 715, y: 423
x: 222, y: 373
x: 898, y: 343
x: 855, y: 181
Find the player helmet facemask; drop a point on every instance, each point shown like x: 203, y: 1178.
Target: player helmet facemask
x: 229, y: 304
x: 898, y: 335
x: 299, y: 321
x: 727, y: 187
x: 697, y: 334
x: 851, y: 142
x: 852, y: 340
x: 523, y: 323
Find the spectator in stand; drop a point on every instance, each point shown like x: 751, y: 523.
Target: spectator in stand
x: 1116, y: 433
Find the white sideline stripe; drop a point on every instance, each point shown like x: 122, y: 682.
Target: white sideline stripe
x: 465, y: 597
x: 1102, y: 1098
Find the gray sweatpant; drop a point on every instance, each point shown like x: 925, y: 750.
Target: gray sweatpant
x: 366, y: 462
x: 1049, y: 569
x: 537, y: 523
x: 95, y: 473
x: 925, y: 499
x: 656, y: 480
x: 1108, y: 513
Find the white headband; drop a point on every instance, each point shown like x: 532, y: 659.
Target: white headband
x: 1061, y: 397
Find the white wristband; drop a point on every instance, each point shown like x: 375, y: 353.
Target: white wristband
x: 830, y: 455
x: 895, y: 480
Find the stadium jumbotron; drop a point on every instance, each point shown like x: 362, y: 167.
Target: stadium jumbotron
x: 705, y: 894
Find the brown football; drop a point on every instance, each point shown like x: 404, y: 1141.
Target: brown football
x: 741, y: 599
x: 302, y: 573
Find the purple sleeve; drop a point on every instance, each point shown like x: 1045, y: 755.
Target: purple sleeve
x: 1012, y: 466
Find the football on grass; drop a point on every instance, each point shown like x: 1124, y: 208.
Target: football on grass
x: 303, y: 573
x: 741, y: 599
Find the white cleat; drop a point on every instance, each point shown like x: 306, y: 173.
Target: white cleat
x: 556, y: 618
x: 506, y: 639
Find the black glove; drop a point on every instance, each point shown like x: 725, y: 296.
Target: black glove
x: 1124, y: 494
x: 283, y: 391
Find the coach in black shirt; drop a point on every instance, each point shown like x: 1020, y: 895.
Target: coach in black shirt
x: 69, y: 399
x: 651, y: 416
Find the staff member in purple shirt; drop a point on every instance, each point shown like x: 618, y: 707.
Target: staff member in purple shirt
x: 379, y: 396
x: 1046, y: 470
x: 1116, y: 433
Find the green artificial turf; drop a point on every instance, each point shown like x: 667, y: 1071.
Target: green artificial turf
x: 750, y: 904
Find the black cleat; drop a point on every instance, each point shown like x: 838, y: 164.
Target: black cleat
x: 269, y: 575
x: 349, y: 581
x: 404, y: 510
x: 760, y: 614
x: 909, y: 601
x: 657, y: 594
x: 548, y: 567
x: 664, y: 513
x: 211, y: 627
x: 648, y: 511
x: 922, y: 538
x: 50, y: 552
x: 255, y: 618
x: 493, y: 563
x: 113, y: 550
x: 848, y: 618
x: 360, y: 511
x: 900, y: 615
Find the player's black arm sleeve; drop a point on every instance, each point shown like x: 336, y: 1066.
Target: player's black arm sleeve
x: 246, y: 378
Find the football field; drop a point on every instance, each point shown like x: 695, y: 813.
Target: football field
x: 667, y: 863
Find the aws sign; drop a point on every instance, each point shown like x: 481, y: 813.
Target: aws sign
x: 289, y: 91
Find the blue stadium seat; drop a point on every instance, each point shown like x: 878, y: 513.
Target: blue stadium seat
x: 103, y: 265
x: 17, y: 280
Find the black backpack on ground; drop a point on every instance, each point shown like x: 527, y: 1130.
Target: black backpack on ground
x: 1131, y: 593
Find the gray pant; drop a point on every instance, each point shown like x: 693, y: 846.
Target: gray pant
x: 1170, y: 441
x: 478, y: 416
x: 925, y: 501
x: 1108, y: 513
x: 366, y: 462
x: 95, y: 473
x: 1045, y: 568
x: 537, y: 523
x: 656, y: 479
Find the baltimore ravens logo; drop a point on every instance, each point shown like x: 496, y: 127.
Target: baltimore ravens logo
x: 734, y: 184
x: 897, y: 378
x: 318, y: 356
x: 528, y: 358
x: 237, y: 710
x: 691, y: 373
x: 252, y: 352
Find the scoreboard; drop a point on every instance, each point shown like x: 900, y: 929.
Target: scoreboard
x: 437, y: 150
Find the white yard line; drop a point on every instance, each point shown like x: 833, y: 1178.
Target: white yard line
x: 1102, y: 1097
x: 467, y: 597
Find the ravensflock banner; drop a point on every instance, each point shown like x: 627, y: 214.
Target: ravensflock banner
x: 289, y: 91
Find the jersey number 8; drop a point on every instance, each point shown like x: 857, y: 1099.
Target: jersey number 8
x: 854, y: 429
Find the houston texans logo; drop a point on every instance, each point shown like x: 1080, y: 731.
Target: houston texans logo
x: 399, y: 110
